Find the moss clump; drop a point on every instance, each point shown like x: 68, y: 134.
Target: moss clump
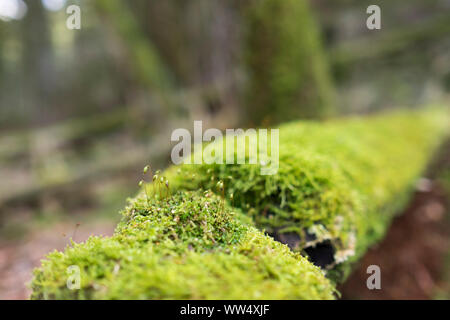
x: 341, y: 180
x: 187, y: 246
x: 287, y: 72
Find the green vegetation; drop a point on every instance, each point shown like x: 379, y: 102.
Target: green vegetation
x: 286, y: 64
x: 187, y: 246
x: 342, y: 180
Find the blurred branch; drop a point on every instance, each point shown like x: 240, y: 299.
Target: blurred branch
x: 391, y: 42
x: 107, y: 165
x: 17, y: 144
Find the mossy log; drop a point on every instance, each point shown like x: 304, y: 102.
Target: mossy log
x: 338, y: 183
x: 186, y: 246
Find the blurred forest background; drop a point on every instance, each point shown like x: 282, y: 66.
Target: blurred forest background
x: 82, y: 111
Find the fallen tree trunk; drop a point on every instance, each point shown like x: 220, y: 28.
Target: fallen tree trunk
x: 338, y: 186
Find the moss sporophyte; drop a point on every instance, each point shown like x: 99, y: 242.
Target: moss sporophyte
x: 338, y: 186
x: 161, y: 184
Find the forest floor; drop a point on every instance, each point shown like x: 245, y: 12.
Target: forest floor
x: 414, y: 256
x: 19, y: 257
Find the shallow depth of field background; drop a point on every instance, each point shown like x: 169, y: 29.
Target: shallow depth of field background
x: 82, y: 111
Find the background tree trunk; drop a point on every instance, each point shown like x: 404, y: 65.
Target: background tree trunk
x: 287, y: 71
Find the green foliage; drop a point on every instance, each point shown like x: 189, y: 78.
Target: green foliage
x: 184, y: 247
x: 285, y: 63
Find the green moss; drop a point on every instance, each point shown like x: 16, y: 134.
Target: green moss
x: 341, y: 180
x: 186, y: 246
x: 285, y: 63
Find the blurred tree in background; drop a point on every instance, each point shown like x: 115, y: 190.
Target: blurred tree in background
x: 38, y: 69
x: 245, y: 62
x: 83, y: 108
x: 288, y: 74
x: 406, y: 63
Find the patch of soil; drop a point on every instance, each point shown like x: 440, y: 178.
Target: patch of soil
x: 412, y: 255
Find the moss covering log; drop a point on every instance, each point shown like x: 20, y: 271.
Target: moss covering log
x: 185, y: 246
x: 338, y: 183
